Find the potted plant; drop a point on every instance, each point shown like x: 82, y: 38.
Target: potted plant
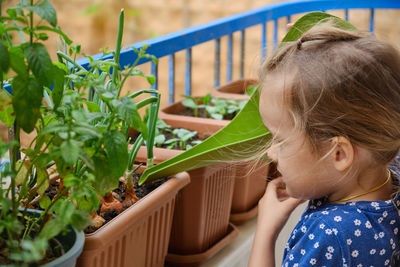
x: 212, y: 114
x: 200, y: 226
x: 81, y: 126
x: 54, y: 235
x: 142, y: 230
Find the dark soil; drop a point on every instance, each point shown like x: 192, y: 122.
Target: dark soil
x: 141, y: 191
x: 202, y: 113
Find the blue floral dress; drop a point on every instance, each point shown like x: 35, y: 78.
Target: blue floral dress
x: 362, y: 233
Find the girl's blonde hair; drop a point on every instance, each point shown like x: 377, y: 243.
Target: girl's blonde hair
x: 343, y: 83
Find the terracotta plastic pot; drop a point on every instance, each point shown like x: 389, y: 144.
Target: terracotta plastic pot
x: 234, y: 90
x: 250, y: 179
x: 250, y: 184
x: 200, y: 226
x: 139, y: 236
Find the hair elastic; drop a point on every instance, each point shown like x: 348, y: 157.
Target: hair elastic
x: 299, y: 42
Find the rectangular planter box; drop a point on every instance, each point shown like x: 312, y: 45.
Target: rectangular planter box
x: 250, y: 180
x: 139, y: 236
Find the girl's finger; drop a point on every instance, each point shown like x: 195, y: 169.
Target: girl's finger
x: 289, y: 25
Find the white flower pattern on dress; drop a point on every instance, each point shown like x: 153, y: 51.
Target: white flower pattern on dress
x: 360, y: 234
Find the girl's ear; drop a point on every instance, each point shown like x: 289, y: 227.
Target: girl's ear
x: 343, y: 153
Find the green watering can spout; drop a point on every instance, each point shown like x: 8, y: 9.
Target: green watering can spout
x: 246, y: 134
x: 239, y: 140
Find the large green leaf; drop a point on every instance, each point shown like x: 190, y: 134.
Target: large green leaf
x: 244, y: 134
x: 17, y: 61
x: 27, y: 100
x: 45, y: 10
x: 57, y: 92
x: 40, y: 63
x: 307, y: 21
x: 105, y: 181
x: 127, y: 110
x: 117, y: 152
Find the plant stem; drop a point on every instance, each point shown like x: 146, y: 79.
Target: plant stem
x: 118, y: 49
x: 31, y: 25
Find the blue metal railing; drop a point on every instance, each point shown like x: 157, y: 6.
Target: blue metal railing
x: 185, y: 40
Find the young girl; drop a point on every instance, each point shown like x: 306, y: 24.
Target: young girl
x: 332, y: 103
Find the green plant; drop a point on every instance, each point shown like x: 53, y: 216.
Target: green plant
x: 196, y: 103
x: 81, y: 126
x: 180, y: 137
x: 215, y: 108
x: 220, y: 108
x: 227, y: 144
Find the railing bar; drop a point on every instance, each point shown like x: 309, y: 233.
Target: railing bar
x: 346, y: 14
x: 275, y: 33
x: 217, y: 62
x: 288, y: 20
x: 171, y: 96
x: 154, y: 72
x: 264, y: 41
x: 242, y: 52
x: 371, y: 21
x: 229, y: 60
x: 188, y: 75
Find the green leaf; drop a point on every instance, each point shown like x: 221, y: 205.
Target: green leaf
x: 44, y: 202
x: 105, y: 181
x: 17, y: 61
x: 27, y: 100
x: 307, y: 21
x: 58, y: 88
x: 45, y: 10
x: 80, y: 219
x: 188, y: 102
x: 42, y: 180
x: 217, y: 116
x: 22, y: 174
x: 52, y: 228
x: 92, y: 107
x: 151, y: 79
x: 6, y: 109
x: 128, y: 112
x: 70, y: 151
x: 159, y: 139
x: 117, y: 152
x: 40, y: 63
x: 66, y: 210
x: 4, y: 57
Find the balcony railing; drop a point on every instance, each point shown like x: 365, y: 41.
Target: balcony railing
x: 188, y: 39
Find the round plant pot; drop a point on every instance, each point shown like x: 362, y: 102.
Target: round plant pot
x: 74, y: 239
x: 72, y: 242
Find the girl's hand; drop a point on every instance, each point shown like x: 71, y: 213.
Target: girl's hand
x: 275, y: 207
